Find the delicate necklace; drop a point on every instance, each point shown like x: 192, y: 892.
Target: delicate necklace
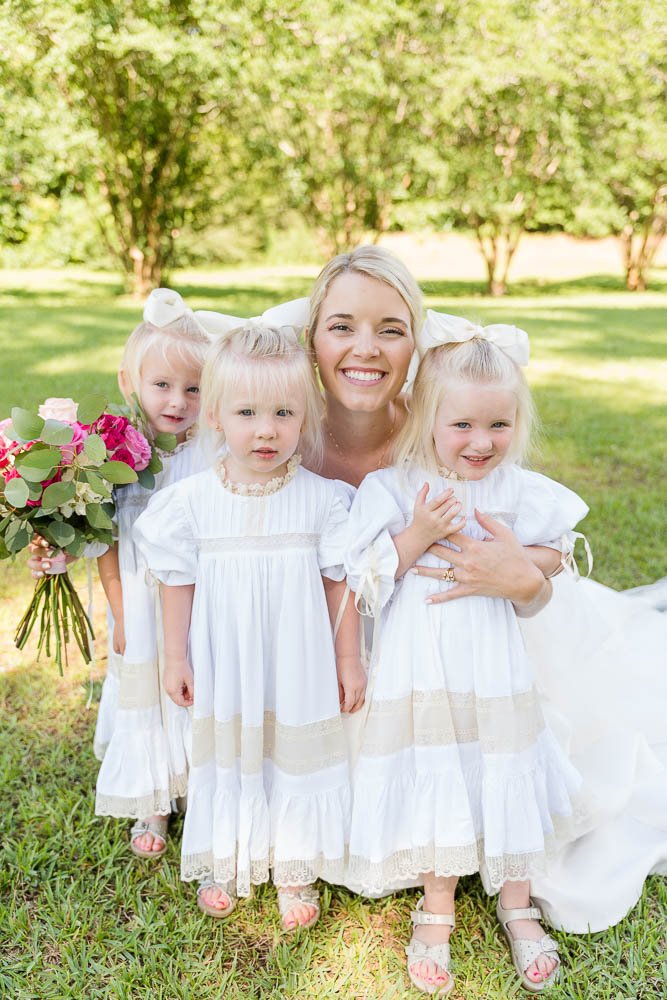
x: 343, y: 456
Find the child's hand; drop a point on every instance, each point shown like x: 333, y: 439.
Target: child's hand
x: 179, y: 682
x: 118, y: 641
x: 45, y: 560
x: 351, y: 683
x: 433, y: 518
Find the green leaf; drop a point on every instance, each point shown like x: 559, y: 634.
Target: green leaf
x: 34, y: 491
x: 26, y: 424
x: 56, y: 432
x: 61, y: 533
x: 146, y: 479
x: 38, y: 464
x: 155, y: 464
x: 95, y: 449
x: 97, y: 516
x: 17, y: 492
x: 167, y: 442
x: 57, y: 494
x: 90, y: 408
x: 96, y: 483
x: 117, y: 473
x: 76, y: 547
x: 19, y: 540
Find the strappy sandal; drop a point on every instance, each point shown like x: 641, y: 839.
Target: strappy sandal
x: 158, y: 827
x: 289, y: 899
x: 215, y: 911
x: 524, y: 951
x: 440, y: 954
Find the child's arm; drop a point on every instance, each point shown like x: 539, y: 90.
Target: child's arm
x: 176, y: 615
x: 349, y: 668
x: 548, y: 560
x: 432, y: 522
x: 109, y: 571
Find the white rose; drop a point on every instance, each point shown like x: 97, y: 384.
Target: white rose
x: 55, y: 408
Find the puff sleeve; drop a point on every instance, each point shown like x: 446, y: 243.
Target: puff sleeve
x: 163, y: 534
x: 333, y: 541
x: 371, y: 559
x: 547, y: 512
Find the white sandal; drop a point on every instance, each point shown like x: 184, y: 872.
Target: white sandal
x: 208, y: 908
x: 289, y: 899
x: 440, y: 954
x: 524, y: 951
x: 158, y: 827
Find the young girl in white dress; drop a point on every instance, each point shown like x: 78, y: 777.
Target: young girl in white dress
x: 457, y: 772
x: 142, y: 738
x: 241, y: 550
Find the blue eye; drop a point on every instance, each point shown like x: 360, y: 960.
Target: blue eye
x: 462, y: 424
x: 284, y: 412
x: 247, y: 412
x: 193, y: 389
x: 499, y: 424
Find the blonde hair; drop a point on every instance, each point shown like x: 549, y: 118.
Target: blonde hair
x: 184, y: 338
x: 474, y: 362
x: 374, y: 262
x: 270, y: 363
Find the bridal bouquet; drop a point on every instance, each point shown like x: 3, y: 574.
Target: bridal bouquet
x: 58, y: 469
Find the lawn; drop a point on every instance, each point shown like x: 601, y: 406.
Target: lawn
x: 80, y: 918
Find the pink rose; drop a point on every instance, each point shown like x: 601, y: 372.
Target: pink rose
x: 8, y: 448
x: 68, y: 451
x: 123, y: 441
x: 56, y: 408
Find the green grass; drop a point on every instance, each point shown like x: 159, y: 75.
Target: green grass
x: 82, y: 920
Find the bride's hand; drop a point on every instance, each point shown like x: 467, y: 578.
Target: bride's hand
x: 495, y: 567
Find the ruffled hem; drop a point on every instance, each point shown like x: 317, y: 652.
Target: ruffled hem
x: 159, y: 802
x: 297, y: 872
x: 409, y: 866
x: 237, y: 835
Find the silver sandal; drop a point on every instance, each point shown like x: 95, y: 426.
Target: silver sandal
x: 215, y: 911
x: 289, y: 899
x: 524, y: 951
x: 438, y: 953
x: 158, y: 827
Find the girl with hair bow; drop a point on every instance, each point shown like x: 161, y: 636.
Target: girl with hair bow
x: 457, y: 771
x: 141, y: 738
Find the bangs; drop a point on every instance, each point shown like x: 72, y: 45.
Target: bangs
x: 279, y: 379
x: 181, y: 344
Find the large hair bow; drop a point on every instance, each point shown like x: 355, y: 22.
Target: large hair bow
x: 441, y: 328
x: 164, y: 306
x: 295, y: 313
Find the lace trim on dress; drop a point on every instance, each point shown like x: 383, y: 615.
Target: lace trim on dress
x: 258, y: 489
x: 295, y: 750
x: 260, y: 543
x: 446, y: 473
x: 407, y: 866
x: 224, y: 871
x: 157, y: 802
x: 507, y: 724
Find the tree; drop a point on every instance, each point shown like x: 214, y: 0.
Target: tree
x: 340, y: 104
x: 150, y: 87
x: 617, y: 59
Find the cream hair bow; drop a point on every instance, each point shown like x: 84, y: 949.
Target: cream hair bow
x: 164, y: 306
x: 441, y: 328
x: 295, y: 313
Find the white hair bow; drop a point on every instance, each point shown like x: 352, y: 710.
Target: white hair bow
x: 164, y: 306
x: 441, y: 328
x: 294, y: 313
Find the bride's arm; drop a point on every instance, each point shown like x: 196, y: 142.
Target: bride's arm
x: 499, y: 566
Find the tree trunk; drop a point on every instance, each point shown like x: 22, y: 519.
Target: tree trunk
x: 146, y: 272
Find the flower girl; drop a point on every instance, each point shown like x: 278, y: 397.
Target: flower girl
x: 457, y: 771
x: 240, y: 550
x: 141, y: 737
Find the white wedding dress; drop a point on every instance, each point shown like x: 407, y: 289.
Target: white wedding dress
x: 601, y: 662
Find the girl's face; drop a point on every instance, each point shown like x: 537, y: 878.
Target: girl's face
x: 363, y: 342
x: 261, y: 434
x: 474, y: 427
x: 169, y: 392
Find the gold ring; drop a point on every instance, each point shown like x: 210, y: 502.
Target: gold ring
x: 448, y: 575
